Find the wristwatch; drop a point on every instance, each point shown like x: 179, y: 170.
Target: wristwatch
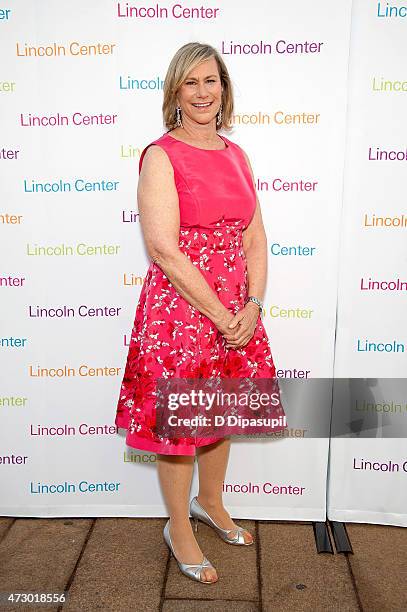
x: 252, y: 298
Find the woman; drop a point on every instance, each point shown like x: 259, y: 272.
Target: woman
x: 199, y: 308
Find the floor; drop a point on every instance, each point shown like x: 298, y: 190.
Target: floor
x: 123, y: 564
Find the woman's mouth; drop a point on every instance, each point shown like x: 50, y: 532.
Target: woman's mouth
x: 201, y: 104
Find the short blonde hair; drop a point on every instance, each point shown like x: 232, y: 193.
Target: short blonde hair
x: 185, y: 60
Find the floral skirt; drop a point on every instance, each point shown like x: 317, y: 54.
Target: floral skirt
x: 171, y: 338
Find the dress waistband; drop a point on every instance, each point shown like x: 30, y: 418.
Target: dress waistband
x: 210, y: 240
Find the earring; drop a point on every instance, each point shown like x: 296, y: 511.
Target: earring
x: 179, y: 122
x: 219, y: 117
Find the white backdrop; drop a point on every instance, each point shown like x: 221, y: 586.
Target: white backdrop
x: 367, y: 477
x: 89, y: 474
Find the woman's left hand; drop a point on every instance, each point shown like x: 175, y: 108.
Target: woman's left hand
x: 242, y: 326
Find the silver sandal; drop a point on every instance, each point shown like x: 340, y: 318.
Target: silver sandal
x: 193, y: 571
x: 199, y: 514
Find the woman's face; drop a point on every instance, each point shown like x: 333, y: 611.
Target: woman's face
x: 200, y: 95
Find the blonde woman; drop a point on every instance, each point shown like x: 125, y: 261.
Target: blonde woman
x: 199, y: 309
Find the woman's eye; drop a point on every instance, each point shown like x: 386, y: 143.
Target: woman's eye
x: 193, y: 82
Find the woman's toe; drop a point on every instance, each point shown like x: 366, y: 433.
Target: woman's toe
x: 210, y: 574
x: 247, y: 537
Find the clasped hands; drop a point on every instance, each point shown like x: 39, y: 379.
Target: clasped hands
x: 238, y: 329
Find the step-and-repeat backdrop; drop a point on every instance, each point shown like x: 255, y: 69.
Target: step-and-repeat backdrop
x: 81, y: 93
x: 368, y: 464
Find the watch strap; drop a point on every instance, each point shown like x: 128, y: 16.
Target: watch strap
x: 256, y: 300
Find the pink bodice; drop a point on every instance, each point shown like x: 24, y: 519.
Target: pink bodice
x: 215, y: 187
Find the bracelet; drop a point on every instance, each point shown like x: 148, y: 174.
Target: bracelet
x: 252, y: 298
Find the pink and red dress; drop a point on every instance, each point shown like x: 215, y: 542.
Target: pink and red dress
x: 170, y: 337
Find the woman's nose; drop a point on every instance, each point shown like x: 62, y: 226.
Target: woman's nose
x: 202, y: 91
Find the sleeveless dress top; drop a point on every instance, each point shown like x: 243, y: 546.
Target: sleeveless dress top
x: 170, y: 337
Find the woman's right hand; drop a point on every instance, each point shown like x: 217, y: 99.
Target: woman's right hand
x: 223, y: 322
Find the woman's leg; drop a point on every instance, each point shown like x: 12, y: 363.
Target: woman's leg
x: 175, y: 475
x: 212, y: 464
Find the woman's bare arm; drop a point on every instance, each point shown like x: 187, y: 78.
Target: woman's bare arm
x: 159, y: 215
